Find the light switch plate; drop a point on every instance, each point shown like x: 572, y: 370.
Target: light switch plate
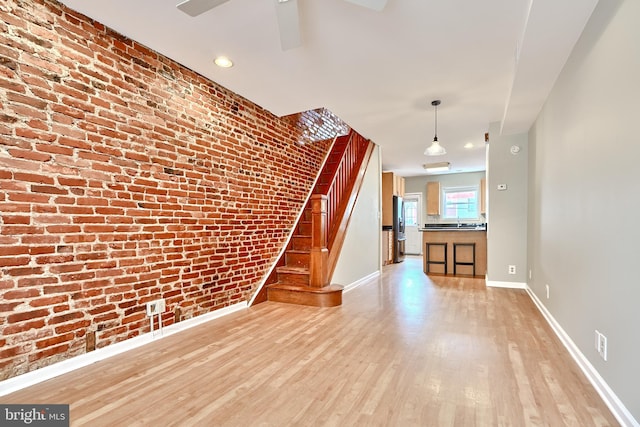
x: 502, y: 187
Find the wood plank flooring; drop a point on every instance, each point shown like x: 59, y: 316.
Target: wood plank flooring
x: 402, y: 350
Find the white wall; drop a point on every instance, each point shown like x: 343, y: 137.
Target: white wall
x: 418, y: 184
x: 584, y: 203
x: 361, y: 250
x: 507, y: 209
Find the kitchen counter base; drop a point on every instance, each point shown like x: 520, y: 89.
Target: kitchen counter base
x: 479, y: 237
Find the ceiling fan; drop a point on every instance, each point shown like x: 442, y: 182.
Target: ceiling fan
x: 286, y: 11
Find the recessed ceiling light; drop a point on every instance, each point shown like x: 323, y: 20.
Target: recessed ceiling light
x: 223, y: 62
x: 468, y: 145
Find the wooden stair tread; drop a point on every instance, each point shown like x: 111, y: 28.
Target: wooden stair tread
x: 298, y: 251
x: 293, y: 270
x: 304, y: 288
x: 327, y: 296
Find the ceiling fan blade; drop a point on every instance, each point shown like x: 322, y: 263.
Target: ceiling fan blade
x: 196, y: 7
x: 288, y: 23
x: 376, y: 5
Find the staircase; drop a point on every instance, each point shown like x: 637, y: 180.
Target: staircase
x: 303, y: 274
x: 293, y: 278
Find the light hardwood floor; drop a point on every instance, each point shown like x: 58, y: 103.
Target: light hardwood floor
x: 402, y: 350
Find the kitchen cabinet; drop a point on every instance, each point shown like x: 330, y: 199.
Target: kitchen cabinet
x: 433, y: 198
x: 387, y: 247
x: 483, y: 196
x: 479, y: 237
x: 387, y: 198
x: 392, y: 185
x: 399, y: 186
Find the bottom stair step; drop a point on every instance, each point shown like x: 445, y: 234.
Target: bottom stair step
x: 328, y: 296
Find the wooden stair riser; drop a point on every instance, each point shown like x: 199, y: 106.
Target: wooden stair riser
x: 301, y: 243
x: 297, y: 259
x: 304, y: 228
x: 293, y: 278
x: 331, y: 296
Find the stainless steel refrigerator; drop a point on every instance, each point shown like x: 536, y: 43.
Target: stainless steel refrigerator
x: 398, y: 229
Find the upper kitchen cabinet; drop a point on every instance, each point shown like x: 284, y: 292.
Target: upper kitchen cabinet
x: 433, y: 198
x: 392, y: 185
x: 399, y: 186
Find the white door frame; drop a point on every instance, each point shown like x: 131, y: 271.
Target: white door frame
x: 415, y: 234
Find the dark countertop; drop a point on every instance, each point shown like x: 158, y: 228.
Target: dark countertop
x: 453, y: 229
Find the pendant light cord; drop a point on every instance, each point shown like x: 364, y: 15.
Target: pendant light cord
x: 436, y: 125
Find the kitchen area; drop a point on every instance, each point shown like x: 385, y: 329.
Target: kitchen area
x: 445, y: 217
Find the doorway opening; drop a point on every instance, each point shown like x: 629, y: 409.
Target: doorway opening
x: 413, y: 219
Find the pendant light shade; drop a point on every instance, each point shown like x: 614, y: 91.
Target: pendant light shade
x: 435, y: 149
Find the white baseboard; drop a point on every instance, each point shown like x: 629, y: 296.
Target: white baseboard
x: 39, y: 375
x: 510, y: 285
x: 361, y: 281
x: 618, y: 409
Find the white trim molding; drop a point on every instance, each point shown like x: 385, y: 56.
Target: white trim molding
x: 361, y: 281
x: 618, y: 409
x: 39, y: 375
x: 509, y: 285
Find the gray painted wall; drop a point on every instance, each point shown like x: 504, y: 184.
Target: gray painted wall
x: 418, y: 184
x: 584, y: 203
x: 361, y: 250
x: 507, y: 209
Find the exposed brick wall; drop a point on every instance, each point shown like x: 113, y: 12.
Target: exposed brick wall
x: 125, y: 177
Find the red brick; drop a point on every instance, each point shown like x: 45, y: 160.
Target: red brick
x: 54, y: 149
x: 48, y: 301
x: 13, y: 351
x: 36, y: 281
x: 16, y: 219
x: 32, y: 134
x: 65, y: 317
x: 29, y: 198
x: 67, y: 327
x: 54, y: 340
x: 19, y: 328
x: 23, y: 271
x: 30, y: 177
x: 13, y: 261
x: 131, y: 200
x: 51, y: 351
x: 61, y: 289
x: 27, y: 100
x: 27, y: 315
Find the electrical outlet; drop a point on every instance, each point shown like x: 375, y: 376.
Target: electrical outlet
x: 530, y: 274
x: 601, y: 345
x: 512, y: 269
x: 155, y: 307
x: 547, y: 288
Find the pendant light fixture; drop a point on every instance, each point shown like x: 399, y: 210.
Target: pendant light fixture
x: 435, y: 149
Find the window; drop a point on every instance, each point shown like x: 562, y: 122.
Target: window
x: 460, y: 203
x: 411, y: 213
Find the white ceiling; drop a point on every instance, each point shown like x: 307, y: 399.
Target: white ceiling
x: 488, y: 61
